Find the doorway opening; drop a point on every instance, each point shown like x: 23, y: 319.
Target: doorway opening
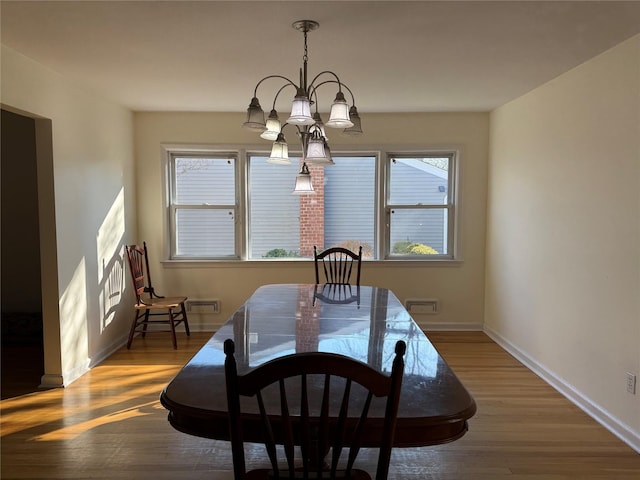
x: 22, y: 319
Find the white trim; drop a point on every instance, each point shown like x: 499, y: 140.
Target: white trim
x: 49, y: 380
x: 70, y: 376
x: 303, y: 262
x: 380, y: 152
x: 604, y: 418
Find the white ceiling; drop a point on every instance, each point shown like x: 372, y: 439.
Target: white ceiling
x: 395, y: 56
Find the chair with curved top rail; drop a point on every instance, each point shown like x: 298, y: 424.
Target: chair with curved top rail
x: 293, y: 395
x: 153, y: 309
x: 337, y: 265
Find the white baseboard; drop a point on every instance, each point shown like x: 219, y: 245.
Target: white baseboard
x: 106, y: 352
x: 615, y: 426
x: 51, y: 381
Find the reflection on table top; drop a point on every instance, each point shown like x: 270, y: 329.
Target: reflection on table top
x: 361, y: 322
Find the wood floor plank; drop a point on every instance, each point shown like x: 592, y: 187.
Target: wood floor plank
x: 109, y: 424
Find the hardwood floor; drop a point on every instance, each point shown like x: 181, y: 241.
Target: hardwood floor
x: 109, y: 424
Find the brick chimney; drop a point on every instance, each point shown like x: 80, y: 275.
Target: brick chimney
x: 312, y: 214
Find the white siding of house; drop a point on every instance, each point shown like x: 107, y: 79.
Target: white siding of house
x: 350, y: 201
x: 274, y: 211
x: 203, y: 231
x: 423, y: 226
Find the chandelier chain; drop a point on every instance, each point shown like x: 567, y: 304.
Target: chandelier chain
x: 306, y: 56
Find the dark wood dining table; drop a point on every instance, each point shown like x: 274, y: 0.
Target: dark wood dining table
x: 362, y: 322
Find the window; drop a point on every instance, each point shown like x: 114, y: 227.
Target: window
x: 342, y: 212
x: 203, y: 206
x: 419, y: 205
x: 399, y: 209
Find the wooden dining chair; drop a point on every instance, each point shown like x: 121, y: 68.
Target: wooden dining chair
x: 337, y: 265
x: 152, y: 309
x: 297, y: 407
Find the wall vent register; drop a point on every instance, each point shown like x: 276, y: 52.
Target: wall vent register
x: 203, y: 306
x: 422, y: 306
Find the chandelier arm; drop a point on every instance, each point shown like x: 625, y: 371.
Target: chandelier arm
x: 353, y: 99
x: 337, y: 80
x: 255, y: 90
x: 312, y: 93
x: 314, y: 88
x: 299, y: 128
x: 273, y: 107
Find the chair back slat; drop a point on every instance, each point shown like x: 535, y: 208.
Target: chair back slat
x: 305, y: 427
x: 323, y: 426
x: 146, y: 263
x: 136, y: 258
x: 358, y: 435
x: 313, y: 424
x: 340, y: 435
x: 338, y: 264
x: 289, y: 443
x: 269, y: 439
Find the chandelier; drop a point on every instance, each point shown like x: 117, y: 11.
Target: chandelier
x: 309, y: 127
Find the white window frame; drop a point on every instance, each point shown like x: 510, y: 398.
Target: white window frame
x: 171, y: 153
x: 450, y: 207
x: 382, y: 188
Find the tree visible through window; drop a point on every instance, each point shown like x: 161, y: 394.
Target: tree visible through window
x: 418, y: 205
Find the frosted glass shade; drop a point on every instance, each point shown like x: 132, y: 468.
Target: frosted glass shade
x: 301, y: 111
x: 320, y: 124
x: 316, y: 152
x: 255, y: 117
x: 279, y: 151
x: 356, y: 129
x: 303, y: 182
x: 339, y: 116
x: 273, y: 127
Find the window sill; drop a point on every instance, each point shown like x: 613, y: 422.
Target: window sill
x: 304, y: 263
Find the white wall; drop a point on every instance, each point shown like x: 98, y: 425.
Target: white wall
x: 459, y: 287
x: 87, y: 170
x: 563, y: 244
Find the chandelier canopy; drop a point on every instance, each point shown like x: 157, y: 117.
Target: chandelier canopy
x: 309, y: 126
